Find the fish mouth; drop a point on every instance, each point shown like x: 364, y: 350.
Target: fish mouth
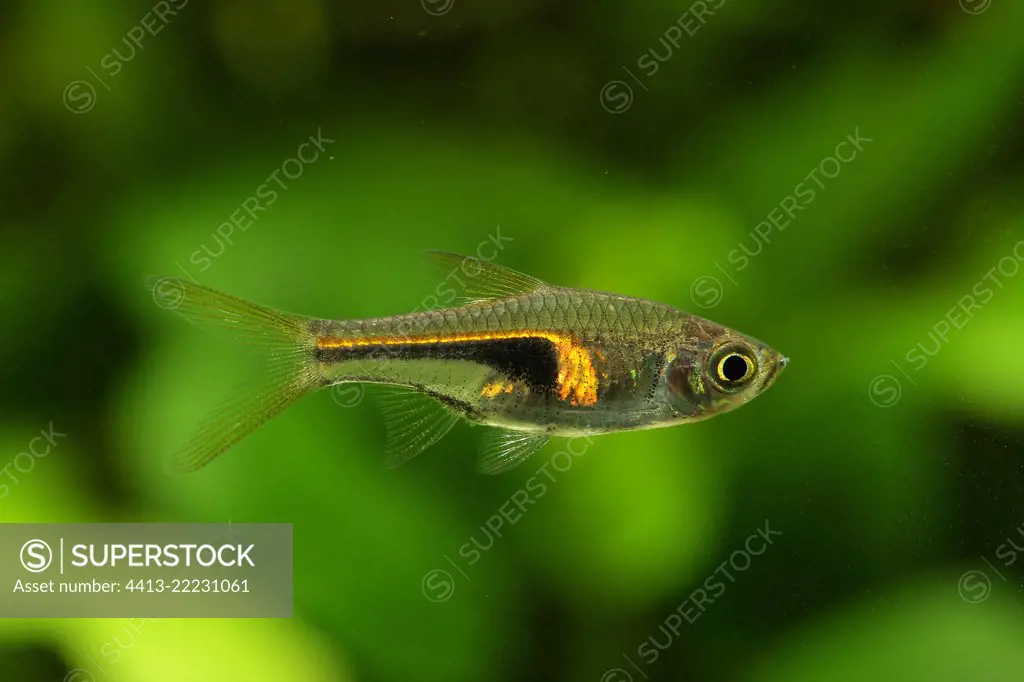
x: 774, y: 373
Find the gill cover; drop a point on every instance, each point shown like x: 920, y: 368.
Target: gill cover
x: 687, y: 391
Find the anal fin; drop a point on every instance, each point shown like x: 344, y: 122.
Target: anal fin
x: 504, y: 449
x: 414, y: 421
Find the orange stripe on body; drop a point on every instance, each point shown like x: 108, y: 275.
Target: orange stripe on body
x: 494, y: 388
x: 577, y: 379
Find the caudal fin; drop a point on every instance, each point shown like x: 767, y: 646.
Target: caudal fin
x: 288, y: 372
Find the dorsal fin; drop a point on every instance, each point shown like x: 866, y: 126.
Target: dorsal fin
x: 480, y: 280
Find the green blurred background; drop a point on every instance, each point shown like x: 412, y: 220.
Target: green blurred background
x: 896, y: 487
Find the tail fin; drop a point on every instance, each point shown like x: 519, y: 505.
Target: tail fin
x: 288, y: 373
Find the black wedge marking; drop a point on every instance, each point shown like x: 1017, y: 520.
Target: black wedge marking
x: 531, y: 360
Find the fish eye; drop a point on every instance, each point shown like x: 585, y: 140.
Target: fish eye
x: 732, y: 368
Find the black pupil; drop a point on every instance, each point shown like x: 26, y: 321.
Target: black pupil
x: 734, y: 368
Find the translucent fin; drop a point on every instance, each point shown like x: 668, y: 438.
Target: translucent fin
x: 287, y: 372
x: 414, y: 421
x: 251, y: 407
x: 249, y: 321
x: 481, y: 280
x: 504, y: 449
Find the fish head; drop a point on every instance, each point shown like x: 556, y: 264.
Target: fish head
x: 718, y: 369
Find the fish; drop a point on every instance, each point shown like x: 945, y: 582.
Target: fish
x: 527, y: 359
